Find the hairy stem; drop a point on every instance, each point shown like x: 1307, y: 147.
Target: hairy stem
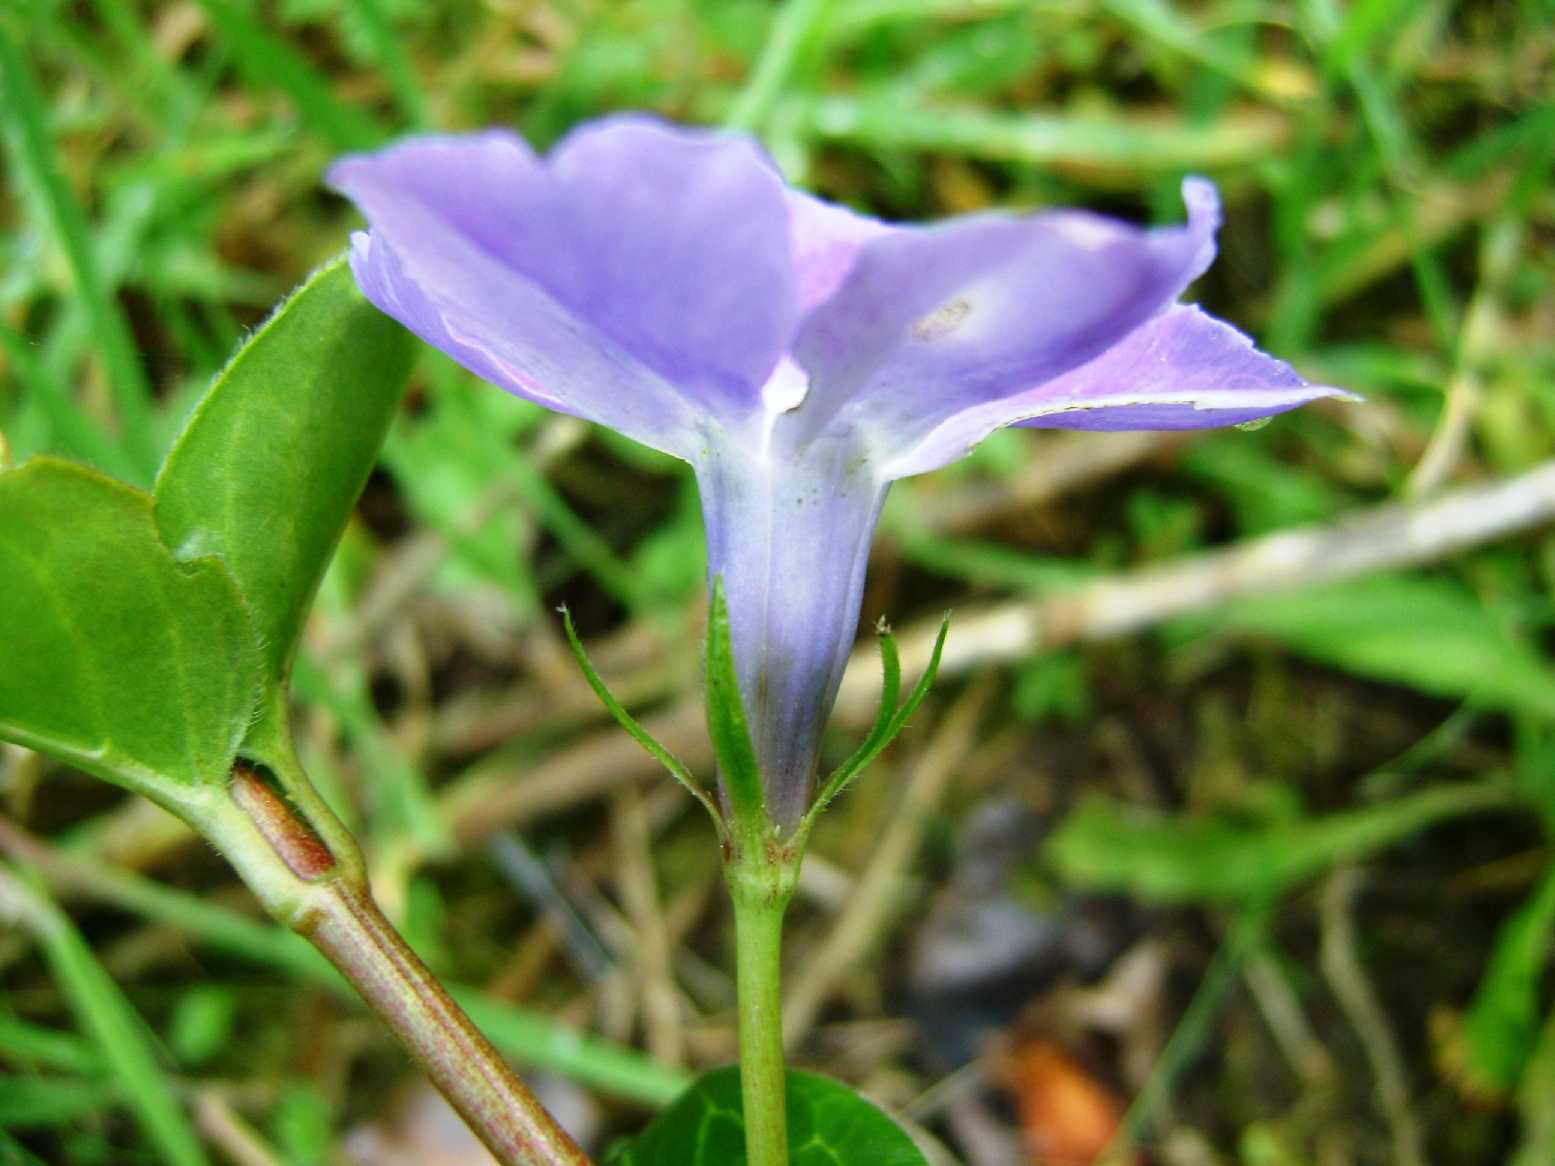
x: 761, y: 889
x: 354, y: 935
x: 297, y: 878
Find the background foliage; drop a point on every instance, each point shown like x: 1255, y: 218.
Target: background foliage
x: 1318, y: 931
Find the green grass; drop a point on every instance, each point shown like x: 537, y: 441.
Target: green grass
x: 1386, y: 167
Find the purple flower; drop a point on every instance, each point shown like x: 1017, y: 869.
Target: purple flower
x: 667, y: 283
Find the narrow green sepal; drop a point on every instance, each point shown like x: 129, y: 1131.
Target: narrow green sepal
x: 889, y: 721
x: 634, y: 727
x: 726, y: 726
x: 890, y: 693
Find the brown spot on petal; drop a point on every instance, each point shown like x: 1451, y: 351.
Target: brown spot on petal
x: 943, y: 320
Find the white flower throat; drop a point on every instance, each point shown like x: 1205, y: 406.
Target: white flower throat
x: 784, y: 392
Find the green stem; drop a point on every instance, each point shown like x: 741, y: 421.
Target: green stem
x: 761, y: 888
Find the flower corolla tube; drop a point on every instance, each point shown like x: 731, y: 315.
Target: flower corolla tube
x: 666, y: 282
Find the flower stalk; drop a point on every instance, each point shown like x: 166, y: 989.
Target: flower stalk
x: 761, y: 886
x: 761, y: 867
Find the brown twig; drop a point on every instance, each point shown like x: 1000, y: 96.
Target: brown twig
x: 1068, y: 462
x: 224, y: 1129
x: 351, y: 931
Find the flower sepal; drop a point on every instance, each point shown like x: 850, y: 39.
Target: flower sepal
x: 890, y: 718
x: 739, y: 772
x: 634, y: 727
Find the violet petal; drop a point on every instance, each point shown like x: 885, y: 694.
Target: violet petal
x: 827, y: 241
x: 1182, y: 370
x: 588, y: 281
x: 936, y: 320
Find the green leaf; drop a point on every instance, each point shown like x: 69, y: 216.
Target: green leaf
x: 273, y: 458
x: 726, y: 726
x: 1430, y: 635
x: 1503, y: 1020
x: 828, y: 1125
x: 1109, y: 847
x: 119, y: 659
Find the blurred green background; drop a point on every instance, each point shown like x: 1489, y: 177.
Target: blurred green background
x: 1253, y: 876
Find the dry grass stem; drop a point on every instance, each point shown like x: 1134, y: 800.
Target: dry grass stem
x: 637, y: 885
x: 220, y: 1125
x: 1342, y: 966
x: 1380, y: 538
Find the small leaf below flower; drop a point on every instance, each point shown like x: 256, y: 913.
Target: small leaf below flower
x: 634, y: 727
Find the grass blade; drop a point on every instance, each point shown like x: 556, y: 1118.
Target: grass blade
x: 76, y: 433
x: 114, y: 1025
x: 391, y: 59
x: 1503, y: 1020
x: 38, y: 1047
x: 32, y: 152
x: 269, y: 62
x: 1113, y: 143
x: 798, y: 30
x: 51, y: 1101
